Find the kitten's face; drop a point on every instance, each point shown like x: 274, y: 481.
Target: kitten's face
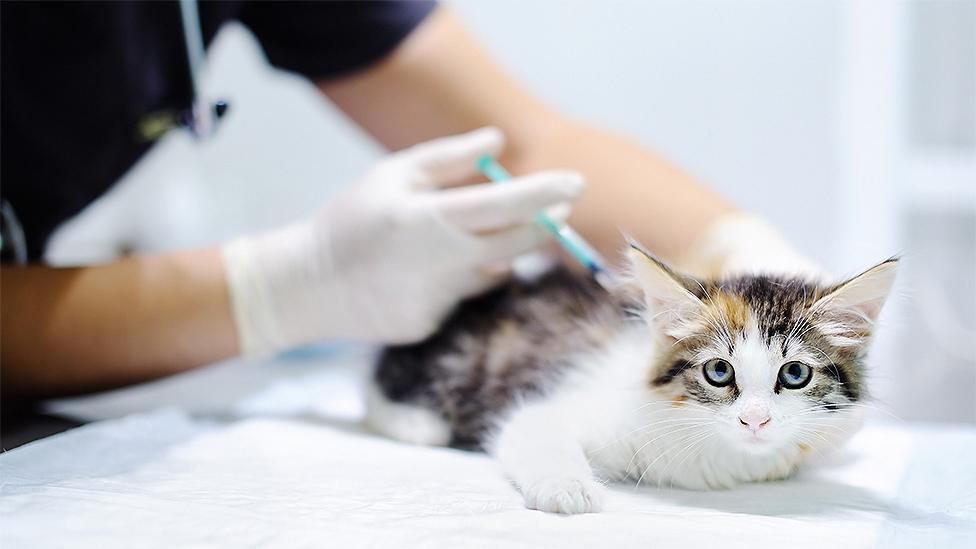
x: 764, y: 362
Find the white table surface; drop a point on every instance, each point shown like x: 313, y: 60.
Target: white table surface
x: 284, y: 463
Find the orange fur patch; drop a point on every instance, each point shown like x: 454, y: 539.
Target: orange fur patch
x: 730, y: 309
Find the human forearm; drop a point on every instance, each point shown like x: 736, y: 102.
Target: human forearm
x: 81, y: 329
x: 631, y: 190
x: 382, y: 262
x: 439, y: 81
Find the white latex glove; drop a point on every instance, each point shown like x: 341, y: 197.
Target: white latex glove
x: 738, y: 244
x: 389, y: 257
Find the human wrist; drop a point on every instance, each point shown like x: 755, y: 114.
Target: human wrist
x: 739, y: 243
x: 272, y: 278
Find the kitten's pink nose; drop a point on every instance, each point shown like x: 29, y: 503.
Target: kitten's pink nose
x: 754, y: 423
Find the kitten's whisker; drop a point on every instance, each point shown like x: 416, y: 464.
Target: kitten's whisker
x: 721, y: 328
x: 809, y: 328
x: 663, y: 453
x: 684, y: 338
x: 687, y: 450
x: 806, y: 316
x: 815, y: 433
x: 702, y: 446
x: 872, y: 408
x: 812, y: 444
x: 715, y: 323
x: 670, y: 420
x: 813, y: 421
x: 674, y: 421
x: 814, y: 428
x: 659, y: 437
x: 661, y: 403
x: 800, y: 319
x: 807, y: 418
x: 674, y: 404
x: 831, y: 445
x: 824, y: 412
x: 826, y: 407
x: 819, y: 350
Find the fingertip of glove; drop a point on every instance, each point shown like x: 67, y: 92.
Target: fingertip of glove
x: 569, y: 182
x: 489, y: 138
x: 560, y: 212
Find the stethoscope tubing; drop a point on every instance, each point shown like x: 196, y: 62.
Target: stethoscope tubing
x: 201, y: 121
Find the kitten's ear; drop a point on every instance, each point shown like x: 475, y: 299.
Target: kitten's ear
x: 672, y: 306
x: 850, y: 309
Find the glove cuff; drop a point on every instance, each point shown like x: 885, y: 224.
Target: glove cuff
x: 739, y: 243
x: 263, y: 272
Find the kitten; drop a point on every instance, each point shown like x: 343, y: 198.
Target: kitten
x: 670, y: 380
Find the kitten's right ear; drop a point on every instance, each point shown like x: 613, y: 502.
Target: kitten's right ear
x: 850, y: 309
x: 672, y: 308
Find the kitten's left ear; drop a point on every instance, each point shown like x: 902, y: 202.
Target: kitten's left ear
x: 853, y: 306
x: 672, y: 304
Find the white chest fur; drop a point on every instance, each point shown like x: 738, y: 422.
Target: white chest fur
x: 606, y: 422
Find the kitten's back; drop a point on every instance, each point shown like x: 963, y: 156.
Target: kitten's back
x: 510, y: 343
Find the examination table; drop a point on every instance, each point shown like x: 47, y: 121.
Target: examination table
x: 272, y: 455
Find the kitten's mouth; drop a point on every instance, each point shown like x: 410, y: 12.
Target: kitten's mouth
x: 755, y: 441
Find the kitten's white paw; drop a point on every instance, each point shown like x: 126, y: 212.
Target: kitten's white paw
x: 569, y: 496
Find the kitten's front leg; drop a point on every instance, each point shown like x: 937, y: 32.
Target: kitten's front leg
x: 542, y: 457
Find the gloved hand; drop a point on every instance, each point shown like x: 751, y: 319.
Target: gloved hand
x: 738, y: 243
x: 389, y: 257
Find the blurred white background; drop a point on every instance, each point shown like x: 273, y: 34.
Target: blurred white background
x: 850, y: 125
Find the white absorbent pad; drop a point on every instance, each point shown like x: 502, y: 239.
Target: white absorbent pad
x: 166, y: 480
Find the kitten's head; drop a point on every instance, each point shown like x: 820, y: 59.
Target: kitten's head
x: 769, y: 359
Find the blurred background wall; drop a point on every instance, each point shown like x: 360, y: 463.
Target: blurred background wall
x: 850, y: 125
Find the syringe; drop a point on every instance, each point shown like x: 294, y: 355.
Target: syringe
x: 568, y: 238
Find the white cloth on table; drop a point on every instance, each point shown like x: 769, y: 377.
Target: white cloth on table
x: 312, y: 478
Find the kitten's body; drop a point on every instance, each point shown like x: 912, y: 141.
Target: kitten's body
x: 566, y: 384
x: 517, y: 342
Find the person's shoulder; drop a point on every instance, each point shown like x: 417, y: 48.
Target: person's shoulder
x: 329, y: 39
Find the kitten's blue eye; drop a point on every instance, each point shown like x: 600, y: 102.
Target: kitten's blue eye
x: 718, y: 372
x: 795, y: 375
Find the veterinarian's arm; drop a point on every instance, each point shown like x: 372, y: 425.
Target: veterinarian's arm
x: 382, y: 262
x: 73, y: 330
x: 440, y: 81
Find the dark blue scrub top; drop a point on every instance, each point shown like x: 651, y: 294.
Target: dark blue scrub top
x: 78, y: 77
